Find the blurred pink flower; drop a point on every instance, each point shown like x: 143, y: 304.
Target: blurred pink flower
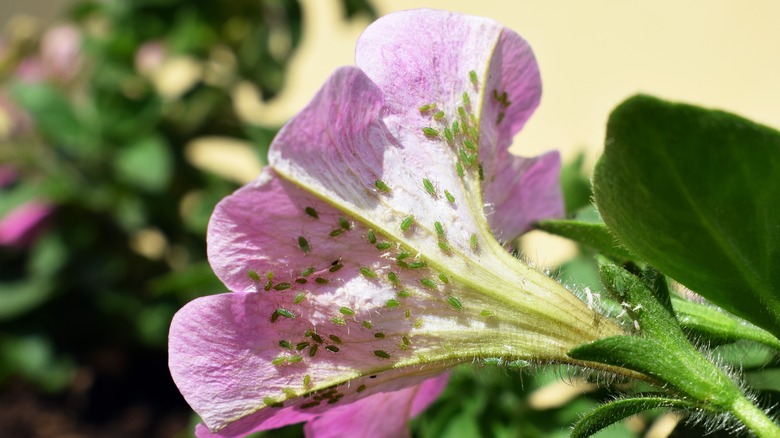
x: 20, y: 226
x: 149, y: 57
x: 58, y: 59
x: 364, y: 260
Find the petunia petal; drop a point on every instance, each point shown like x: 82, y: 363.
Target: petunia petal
x: 410, y: 56
x: 382, y: 415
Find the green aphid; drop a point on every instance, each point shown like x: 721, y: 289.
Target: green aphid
x: 295, y: 359
x: 418, y: 323
x: 439, y: 228
x: 473, y: 77
x: 462, y: 113
x: 444, y: 246
x: 455, y: 302
x: 430, y: 132
x: 268, y: 285
x: 449, y: 196
x: 391, y: 303
x: 427, y: 282
x: 279, y: 361
x: 285, y: 344
x: 316, y: 337
x: 404, y: 294
x: 402, y: 264
x: 459, y: 169
x: 382, y: 246
x: 336, y: 232
x: 308, y: 272
x: 500, y: 117
x: 455, y: 128
x: 406, y: 341
x: 301, y: 280
x: 298, y: 298
x: 393, y: 277
x: 343, y: 223
x: 382, y: 186
x: 360, y: 388
x: 448, y: 135
x: 429, y: 187
x: 346, y: 311
x: 338, y: 321
x: 473, y: 130
x: 371, y: 237
x: 313, y: 350
x: 466, y: 99
x: 253, y: 275
x: 469, y: 145
x: 332, y: 348
x: 368, y: 272
x: 487, y: 313
x: 379, y: 335
x: 402, y: 255
x: 444, y: 279
x: 407, y: 313
x: 427, y: 107
x: 311, y: 212
x: 473, y: 242
x: 417, y: 264
x: 304, y: 244
x: 320, y: 280
x: 301, y: 345
x: 367, y: 324
x: 335, y: 339
x: 481, y: 172
x: 335, y: 267
x: 282, y: 286
x: 285, y: 313
x: 272, y: 403
x: 407, y: 222
x: 381, y: 354
x: 306, y: 381
x: 438, y: 115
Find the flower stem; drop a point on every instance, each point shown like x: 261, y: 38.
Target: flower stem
x: 754, y: 418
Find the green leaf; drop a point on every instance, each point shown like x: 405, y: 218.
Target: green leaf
x: 613, y: 412
x: 695, y: 193
x: 718, y: 325
x: 575, y: 186
x: 592, y: 235
x: 56, y: 118
x: 17, y: 298
x: 146, y: 164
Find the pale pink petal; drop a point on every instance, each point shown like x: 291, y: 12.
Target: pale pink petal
x: 522, y: 192
x: 382, y: 415
x: 221, y: 351
x: 410, y: 56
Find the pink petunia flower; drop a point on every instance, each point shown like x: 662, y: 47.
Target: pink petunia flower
x: 364, y: 260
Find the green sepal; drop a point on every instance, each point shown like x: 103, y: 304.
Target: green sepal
x: 645, y: 299
x: 610, y: 413
x: 694, y: 193
x: 593, y: 235
x: 717, y: 325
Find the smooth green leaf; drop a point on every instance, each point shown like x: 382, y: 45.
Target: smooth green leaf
x: 718, y: 325
x: 695, y: 193
x: 593, y: 235
x: 17, y: 298
x: 56, y: 118
x: 575, y: 186
x: 146, y: 164
x: 613, y: 412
